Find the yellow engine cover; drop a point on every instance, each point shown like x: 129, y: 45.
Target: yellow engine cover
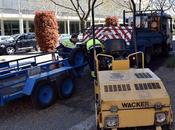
x: 132, y: 88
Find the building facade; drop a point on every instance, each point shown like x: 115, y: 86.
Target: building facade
x: 16, y: 16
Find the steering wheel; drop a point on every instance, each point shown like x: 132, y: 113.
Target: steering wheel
x: 105, y: 63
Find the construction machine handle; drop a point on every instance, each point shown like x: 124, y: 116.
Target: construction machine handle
x: 136, y: 56
x: 97, y: 60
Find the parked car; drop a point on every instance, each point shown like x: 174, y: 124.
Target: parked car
x: 6, y: 38
x: 25, y: 42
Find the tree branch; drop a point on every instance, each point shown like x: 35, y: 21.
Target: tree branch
x: 62, y: 5
x: 99, y: 4
x: 89, y: 9
x: 76, y: 9
x: 148, y: 5
x: 78, y: 3
x: 125, y: 4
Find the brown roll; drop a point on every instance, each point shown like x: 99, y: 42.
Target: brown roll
x: 46, y: 29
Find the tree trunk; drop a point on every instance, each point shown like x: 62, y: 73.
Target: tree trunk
x: 140, y: 4
x: 83, y: 24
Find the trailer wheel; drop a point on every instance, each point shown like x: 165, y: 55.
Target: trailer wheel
x: 43, y: 95
x: 66, y: 86
x: 77, y: 57
x: 147, y: 56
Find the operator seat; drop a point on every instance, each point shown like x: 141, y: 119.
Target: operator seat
x: 115, y: 48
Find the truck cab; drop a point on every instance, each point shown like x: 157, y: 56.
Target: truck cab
x: 153, y: 32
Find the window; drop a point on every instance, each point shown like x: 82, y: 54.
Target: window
x: 62, y: 27
x: 31, y: 26
x: 11, y: 27
x: 114, y: 45
x: 74, y: 27
x: 141, y: 21
x: 24, y: 26
x: 30, y: 36
x: 21, y: 37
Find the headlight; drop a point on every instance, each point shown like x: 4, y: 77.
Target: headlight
x: 3, y: 46
x: 160, y: 117
x: 111, y: 121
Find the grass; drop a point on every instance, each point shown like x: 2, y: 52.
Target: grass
x: 170, y: 63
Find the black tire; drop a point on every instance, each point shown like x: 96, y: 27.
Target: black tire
x: 10, y: 50
x: 44, y: 95
x: 148, y: 56
x: 65, y: 85
x: 77, y: 57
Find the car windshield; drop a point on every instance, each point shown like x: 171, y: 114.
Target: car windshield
x: 15, y: 36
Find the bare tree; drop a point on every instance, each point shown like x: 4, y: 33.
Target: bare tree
x: 83, y: 12
x: 39, y: 5
x: 162, y: 4
x: 126, y: 4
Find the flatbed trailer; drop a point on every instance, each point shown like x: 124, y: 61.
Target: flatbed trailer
x: 42, y: 80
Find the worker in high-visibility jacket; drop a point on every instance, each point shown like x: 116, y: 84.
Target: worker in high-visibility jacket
x: 71, y: 43
x: 98, y: 47
x: 67, y: 46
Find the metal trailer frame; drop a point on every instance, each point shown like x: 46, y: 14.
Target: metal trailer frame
x: 18, y: 77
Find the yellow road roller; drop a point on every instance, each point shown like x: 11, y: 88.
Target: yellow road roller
x: 129, y: 98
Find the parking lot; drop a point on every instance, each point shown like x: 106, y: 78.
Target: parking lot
x: 76, y: 113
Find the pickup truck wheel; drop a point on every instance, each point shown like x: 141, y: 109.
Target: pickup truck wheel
x: 66, y: 86
x: 10, y: 50
x: 43, y: 95
x: 77, y: 57
x: 147, y: 56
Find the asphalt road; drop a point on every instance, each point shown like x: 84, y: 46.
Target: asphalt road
x: 76, y: 113
x: 63, y: 115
